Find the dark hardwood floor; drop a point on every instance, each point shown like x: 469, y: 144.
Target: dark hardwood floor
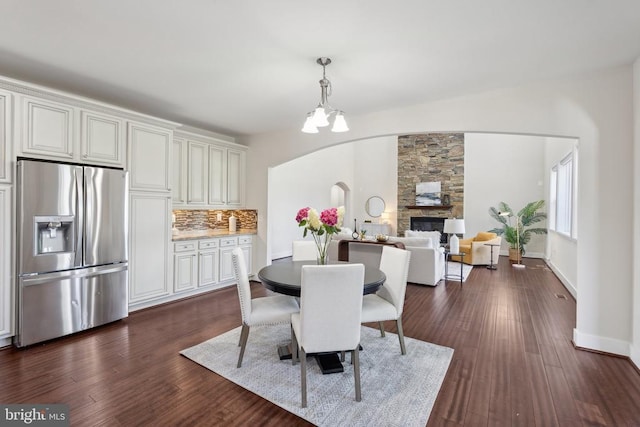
x: 514, y: 363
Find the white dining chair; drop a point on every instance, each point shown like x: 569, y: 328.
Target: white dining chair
x: 304, y: 250
x: 388, y: 302
x: 273, y: 310
x: 329, y: 317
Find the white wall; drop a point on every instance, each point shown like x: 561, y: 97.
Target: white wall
x: 595, y: 108
x: 635, y: 344
x: 562, y: 250
x: 363, y: 166
x: 502, y: 168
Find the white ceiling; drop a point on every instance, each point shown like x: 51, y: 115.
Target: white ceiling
x: 243, y: 67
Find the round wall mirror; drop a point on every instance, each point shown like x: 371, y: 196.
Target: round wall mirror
x: 374, y: 206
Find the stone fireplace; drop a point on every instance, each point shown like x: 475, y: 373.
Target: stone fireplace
x: 427, y: 158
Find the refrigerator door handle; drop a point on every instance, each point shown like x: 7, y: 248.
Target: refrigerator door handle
x: 79, y: 202
x: 73, y: 274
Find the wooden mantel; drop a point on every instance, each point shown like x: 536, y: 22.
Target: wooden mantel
x: 430, y: 207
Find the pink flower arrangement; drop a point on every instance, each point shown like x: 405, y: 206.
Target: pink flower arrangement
x: 322, y: 227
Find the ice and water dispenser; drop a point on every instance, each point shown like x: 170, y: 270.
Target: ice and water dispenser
x: 53, y: 234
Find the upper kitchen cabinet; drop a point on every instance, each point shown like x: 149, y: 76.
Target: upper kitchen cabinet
x: 46, y: 128
x: 179, y: 172
x: 150, y: 150
x: 5, y: 136
x: 60, y: 131
x: 226, y: 176
x: 102, y: 138
x: 214, y: 172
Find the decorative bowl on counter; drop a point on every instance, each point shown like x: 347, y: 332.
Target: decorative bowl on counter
x: 382, y: 237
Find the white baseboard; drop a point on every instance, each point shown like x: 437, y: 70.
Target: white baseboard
x: 567, y: 284
x: 283, y: 254
x: 604, y: 344
x: 5, y: 342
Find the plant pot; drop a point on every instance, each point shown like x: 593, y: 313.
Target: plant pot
x: 513, y: 255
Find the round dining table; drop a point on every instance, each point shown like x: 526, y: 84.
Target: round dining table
x: 284, y: 277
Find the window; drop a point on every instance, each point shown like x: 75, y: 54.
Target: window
x: 561, y: 200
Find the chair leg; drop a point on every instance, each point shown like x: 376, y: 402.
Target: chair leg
x: 342, y: 356
x: 303, y: 377
x: 355, y: 358
x: 403, y: 350
x: 381, y: 326
x: 244, y: 336
x: 294, y: 348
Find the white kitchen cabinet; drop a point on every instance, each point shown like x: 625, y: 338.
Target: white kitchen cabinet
x: 235, y: 177
x: 5, y: 136
x: 198, y: 171
x: 6, y: 262
x: 102, y: 138
x: 179, y: 172
x: 185, y: 266
x: 226, y: 176
x: 150, y: 224
x: 46, y: 128
x: 245, y: 242
x: 149, y: 157
x: 208, y: 262
x: 227, y: 245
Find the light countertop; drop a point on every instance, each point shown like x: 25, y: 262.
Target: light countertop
x: 206, y: 234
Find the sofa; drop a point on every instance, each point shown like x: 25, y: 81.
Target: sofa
x: 426, y: 266
x: 477, y: 250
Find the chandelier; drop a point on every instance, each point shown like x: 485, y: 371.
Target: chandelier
x: 320, y: 116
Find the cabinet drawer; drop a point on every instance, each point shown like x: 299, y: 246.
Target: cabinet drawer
x: 208, y: 244
x: 244, y: 240
x: 228, y: 241
x: 184, y: 246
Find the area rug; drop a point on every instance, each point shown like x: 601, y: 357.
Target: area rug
x: 397, y: 390
x: 454, y: 269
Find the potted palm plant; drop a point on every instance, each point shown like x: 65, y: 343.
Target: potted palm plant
x: 518, y: 234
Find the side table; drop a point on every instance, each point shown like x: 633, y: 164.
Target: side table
x: 448, y: 276
x: 491, y: 266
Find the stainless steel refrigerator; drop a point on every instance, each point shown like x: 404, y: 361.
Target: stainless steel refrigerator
x: 72, y: 256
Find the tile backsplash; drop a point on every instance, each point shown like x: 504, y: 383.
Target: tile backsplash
x: 193, y: 219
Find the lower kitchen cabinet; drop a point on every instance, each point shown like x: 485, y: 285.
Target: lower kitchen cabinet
x: 185, y: 266
x: 207, y: 263
x: 149, y: 265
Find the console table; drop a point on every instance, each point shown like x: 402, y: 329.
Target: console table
x: 343, y: 246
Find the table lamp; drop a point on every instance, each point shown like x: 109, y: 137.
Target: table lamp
x: 453, y: 227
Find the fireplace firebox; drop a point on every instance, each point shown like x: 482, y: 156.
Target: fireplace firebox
x: 429, y: 223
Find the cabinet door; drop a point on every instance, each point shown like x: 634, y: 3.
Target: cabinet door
x: 208, y: 267
x: 247, y: 257
x: 6, y: 279
x: 179, y: 172
x: 185, y: 271
x: 235, y: 178
x: 5, y: 132
x: 47, y: 128
x: 198, y: 173
x: 217, y: 175
x: 102, y: 138
x: 149, y: 157
x: 226, y: 264
x: 149, y: 269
